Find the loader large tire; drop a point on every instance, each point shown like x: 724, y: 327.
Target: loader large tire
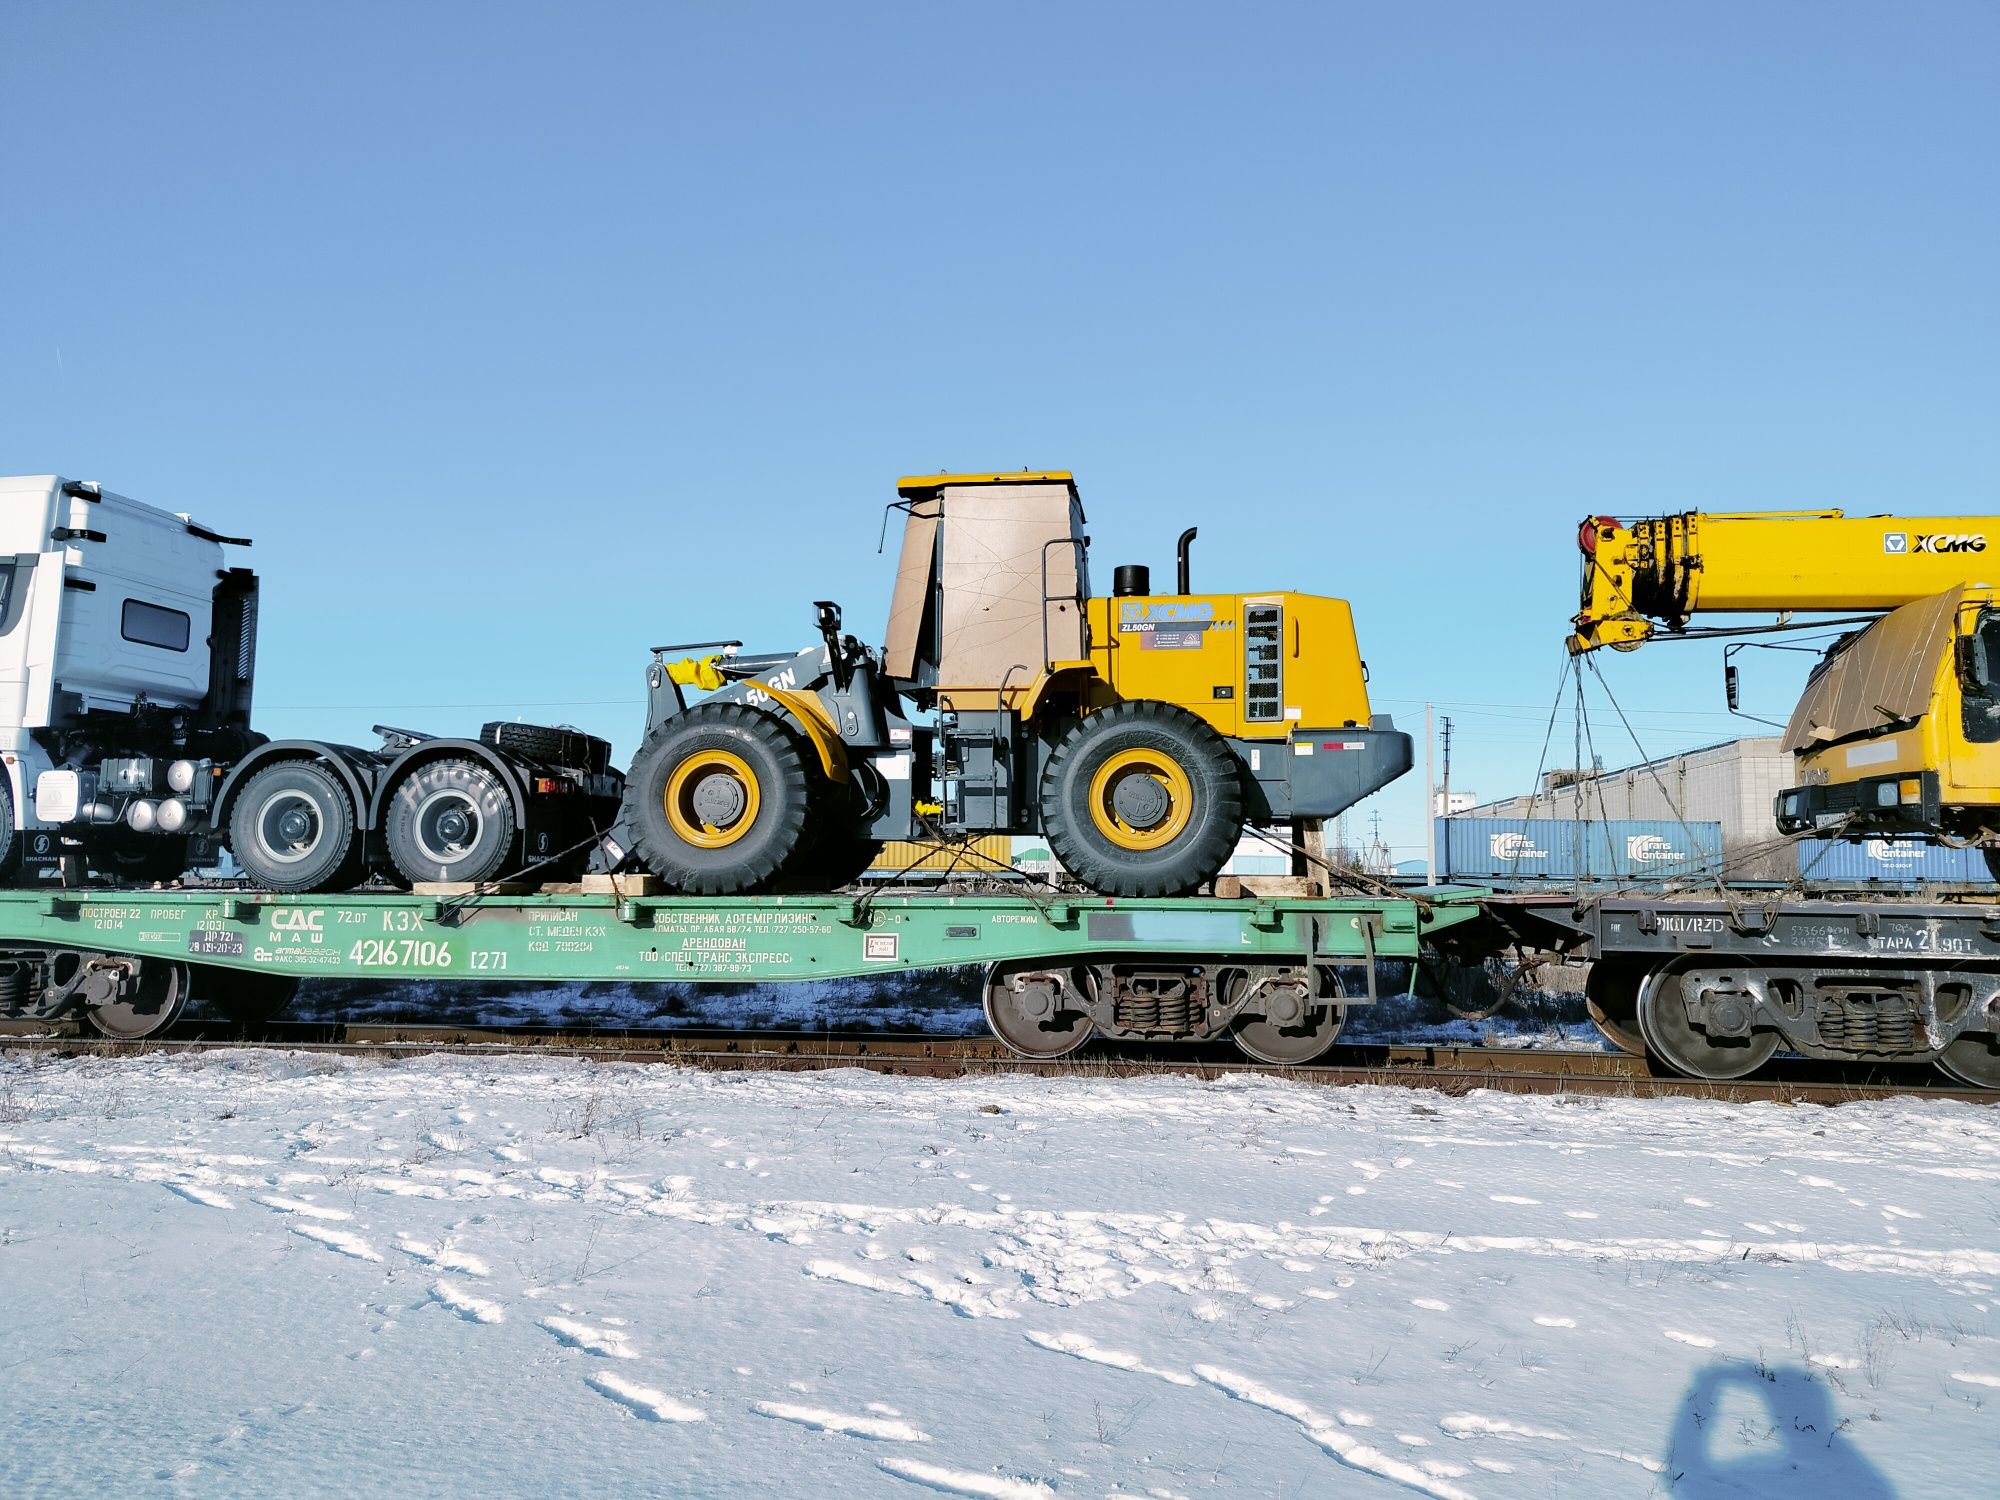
x: 716, y: 800
x: 1142, y: 799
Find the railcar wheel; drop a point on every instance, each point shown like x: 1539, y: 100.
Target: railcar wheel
x: 1033, y: 1012
x: 1974, y: 1060
x: 245, y: 998
x: 1142, y: 799
x: 1611, y: 995
x: 1303, y: 1040
x: 451, y: 820
x: 1289, y: 1025
x: 1684, y: 1047
x: 292, y: 829
x: 153, y: 1006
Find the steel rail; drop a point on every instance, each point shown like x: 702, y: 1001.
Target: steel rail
x: 1452, y: 1070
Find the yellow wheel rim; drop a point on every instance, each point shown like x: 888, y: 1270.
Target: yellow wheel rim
x: 698, y: 775
x: 1165, y: 773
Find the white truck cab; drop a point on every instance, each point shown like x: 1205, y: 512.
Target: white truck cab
x: 127, y: 650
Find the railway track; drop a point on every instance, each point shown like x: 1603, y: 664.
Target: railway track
x: 1453, y: 1070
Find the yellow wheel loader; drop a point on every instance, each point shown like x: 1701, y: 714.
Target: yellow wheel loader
x: 1899, y: 727
x: 1138, y: 732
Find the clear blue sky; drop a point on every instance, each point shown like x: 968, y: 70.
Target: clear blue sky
x: 524, y: 337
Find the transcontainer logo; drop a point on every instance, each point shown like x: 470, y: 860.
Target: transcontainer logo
x: 1650, y: 849
x: 1889, y: 851
x: 1514, y: 846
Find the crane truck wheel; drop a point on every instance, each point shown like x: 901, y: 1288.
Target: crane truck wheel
x: 716, y: 800
x: 450, y: 820
x: 292, y: 829
x: 1142, y: 799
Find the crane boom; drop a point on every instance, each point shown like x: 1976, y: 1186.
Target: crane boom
x: 1641, y: 575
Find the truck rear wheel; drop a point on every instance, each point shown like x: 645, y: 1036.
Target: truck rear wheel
x: 10, y: 837
x: 715, y: 803
x: 1142, y: 799
x: 450, y: 820
x: 292, y: 829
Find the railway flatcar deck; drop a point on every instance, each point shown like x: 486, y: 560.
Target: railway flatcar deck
x: 1060, y: 968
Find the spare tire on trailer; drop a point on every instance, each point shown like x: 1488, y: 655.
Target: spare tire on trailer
x: 554, y: 746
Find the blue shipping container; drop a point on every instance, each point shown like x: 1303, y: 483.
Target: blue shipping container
x: 1889, y: 862
x: 1625, y: 849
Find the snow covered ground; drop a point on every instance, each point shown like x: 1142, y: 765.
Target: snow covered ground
x: 252, y: 1274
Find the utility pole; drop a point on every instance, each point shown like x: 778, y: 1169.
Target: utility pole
x: 1444, y: 734
x: 1430, y: 796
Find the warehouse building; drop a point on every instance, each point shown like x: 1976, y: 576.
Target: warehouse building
x: 1733, y: 784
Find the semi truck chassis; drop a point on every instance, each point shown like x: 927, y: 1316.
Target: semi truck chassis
x: 1059, y: 968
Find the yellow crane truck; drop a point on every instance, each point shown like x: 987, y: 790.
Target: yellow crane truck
x: 1898, y: 730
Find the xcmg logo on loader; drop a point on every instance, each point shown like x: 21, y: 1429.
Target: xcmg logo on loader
x: 1935, y: 544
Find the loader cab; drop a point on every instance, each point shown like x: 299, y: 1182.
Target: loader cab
x: 990, y: 584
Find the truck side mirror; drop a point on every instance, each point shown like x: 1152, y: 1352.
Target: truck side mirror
x: 1730, y: 687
